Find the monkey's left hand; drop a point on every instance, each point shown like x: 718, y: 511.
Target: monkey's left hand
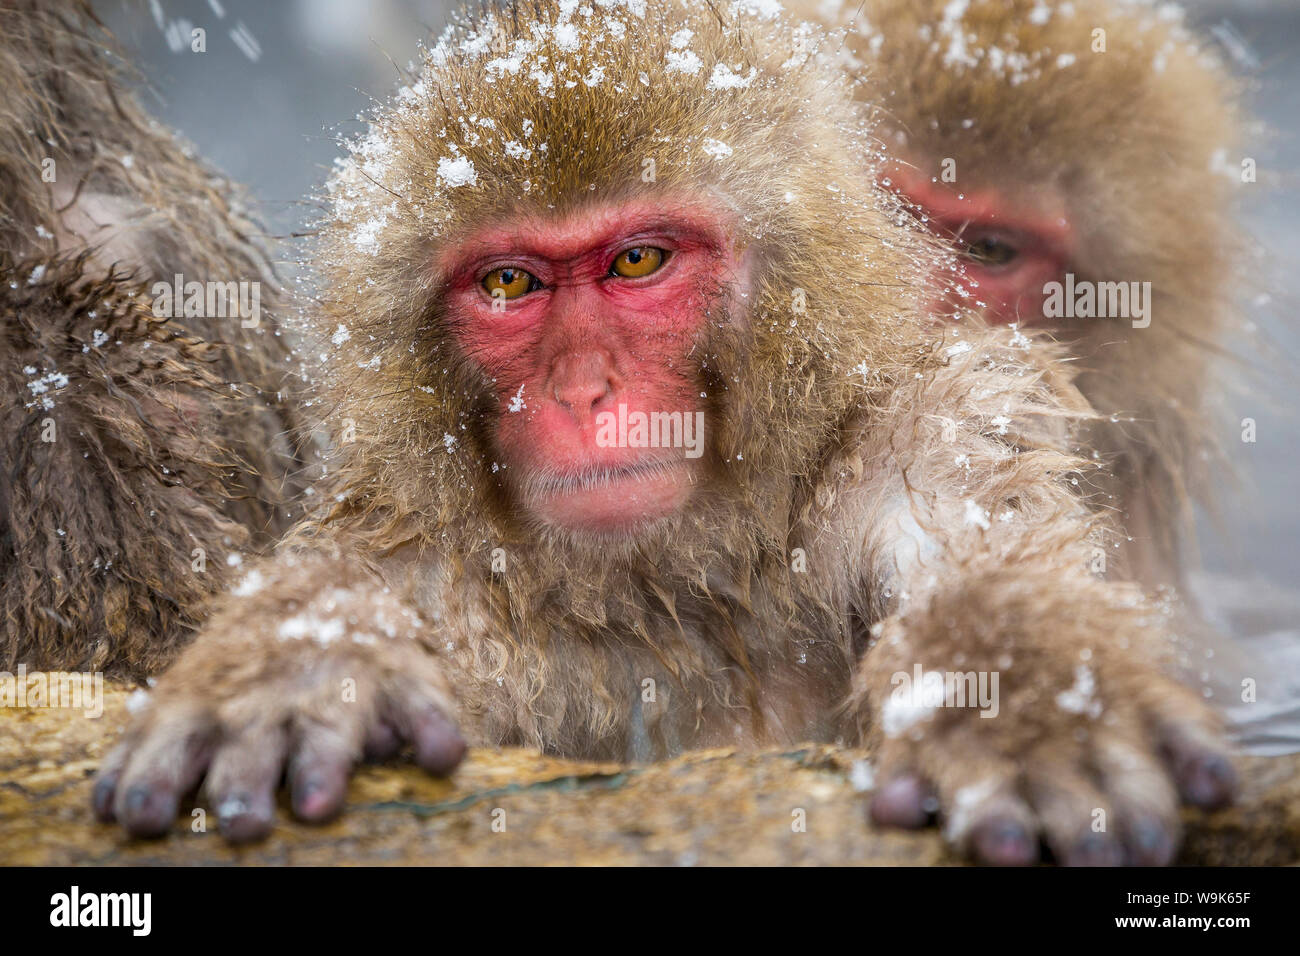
x: 1082, y: 742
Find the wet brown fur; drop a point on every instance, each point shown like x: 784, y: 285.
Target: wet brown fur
x: 201, y: 397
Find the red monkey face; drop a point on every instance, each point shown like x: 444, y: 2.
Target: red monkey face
x: 585, y: 325
x: 1008, y: 250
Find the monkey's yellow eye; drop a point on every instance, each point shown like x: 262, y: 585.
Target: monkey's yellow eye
x: 638, y: 262
x: 509, y: 283
x: 990, y: 251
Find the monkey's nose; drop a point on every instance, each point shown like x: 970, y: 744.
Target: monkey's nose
x: 580, y: 382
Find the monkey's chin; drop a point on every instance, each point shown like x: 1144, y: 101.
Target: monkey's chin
x: 614, y: 502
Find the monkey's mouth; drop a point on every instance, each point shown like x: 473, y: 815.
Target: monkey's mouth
x: 611, y: 499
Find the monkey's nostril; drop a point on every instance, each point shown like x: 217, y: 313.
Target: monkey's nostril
x: 581, y: 396
x: 579, y: 380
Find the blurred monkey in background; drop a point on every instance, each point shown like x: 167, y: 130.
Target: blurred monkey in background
x: 1081, y: 157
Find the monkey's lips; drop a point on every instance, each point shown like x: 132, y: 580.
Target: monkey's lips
x: 611, y: 499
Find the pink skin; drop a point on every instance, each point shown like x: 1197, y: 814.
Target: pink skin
x: 586, y: 342
x: 1037, y: 229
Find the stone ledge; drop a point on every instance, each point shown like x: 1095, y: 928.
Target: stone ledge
x: 709, y: 807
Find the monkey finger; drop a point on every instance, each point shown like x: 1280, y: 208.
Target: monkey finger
x: 1146, y: 804
x: 1207, y: 780
x: 319, y: 768
x: 904, y: 798
x: 987, y: 820
x: 985, y: 816
x: 419, y: 715
x: 1193, y: 745
x: 905, y: 801
x: 241, y: 784
x: 1075, y: 817
x: 164, y: 766
x: 993, y: 824
x: 106, y: 781
x: 439, y: 746
x: 1004, y: 835
x: 1200, y: 764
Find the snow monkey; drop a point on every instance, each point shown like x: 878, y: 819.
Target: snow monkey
x: 1084, y: 144
x: 656, y: 446
x: 144, y: 438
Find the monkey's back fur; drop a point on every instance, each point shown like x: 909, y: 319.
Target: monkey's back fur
x: 171, y: 437
x: 114, y: 473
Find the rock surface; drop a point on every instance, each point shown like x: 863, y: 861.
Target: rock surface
x: 710, y: 807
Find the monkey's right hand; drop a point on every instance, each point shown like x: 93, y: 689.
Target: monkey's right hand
x: 299, y: 693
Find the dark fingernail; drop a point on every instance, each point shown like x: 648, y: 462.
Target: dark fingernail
x: 1095, y: 849
x: 1150, y: 843
x: 241, y: 819
x: 439, y: 747
x: 1004, y: 842
x: 901, y: 803
x: 148, y: 812
x: 102, y: 798
x: 1208, y: 782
